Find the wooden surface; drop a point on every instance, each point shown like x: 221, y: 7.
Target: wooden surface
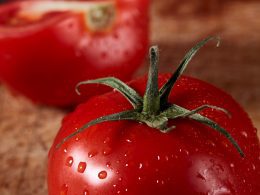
x: 27, y: 130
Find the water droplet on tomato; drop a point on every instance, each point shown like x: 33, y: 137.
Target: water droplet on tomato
x: 85, y: 192
x: 107, y: 151
x: 187, y: 152
x: 120, y: 179
x: 102, y: 174
x: 106, y: 140
x: 158, y: 157
x: 118, y: 192
x: 69, y: 161
x: 65, y: 150
x: 244, y: 134
x: 201, y: 176
x: 82, y: 167
x: 77, y: 138
x: 253, y: 166
x: 108, y: 164
x: 64, y: 189
x: 126, y: 165
x: 140, y: 165
x: 232, y: 165
x: 92, y: 154
x: 128, y: 141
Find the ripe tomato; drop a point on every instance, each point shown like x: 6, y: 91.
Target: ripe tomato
x: 128, y: 157
x: 47, y: 47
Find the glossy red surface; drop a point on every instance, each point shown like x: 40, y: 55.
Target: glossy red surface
x: 46, y: 58
x: 127, y: 157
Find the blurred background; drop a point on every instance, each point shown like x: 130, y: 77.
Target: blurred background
x: 27, y: 130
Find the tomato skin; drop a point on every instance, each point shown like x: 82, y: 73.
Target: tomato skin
x: 44, y: 60
x: 137, y: 159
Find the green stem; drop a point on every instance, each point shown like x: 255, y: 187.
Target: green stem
x: 151, y: 104
x: 166, y: 89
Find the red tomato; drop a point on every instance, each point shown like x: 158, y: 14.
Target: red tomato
x: 128, y: 157
x: 47, y: 47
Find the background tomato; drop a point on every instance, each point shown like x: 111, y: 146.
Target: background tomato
x: 44, y: 53
x: 127, y: 157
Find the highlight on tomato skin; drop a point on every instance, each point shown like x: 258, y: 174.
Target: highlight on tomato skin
x: 47, y: 47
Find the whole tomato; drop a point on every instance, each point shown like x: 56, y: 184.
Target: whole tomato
x: 47, y: 47
x: 181, y: 148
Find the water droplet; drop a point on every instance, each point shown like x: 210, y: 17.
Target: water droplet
x: 128, y: 140
x: 114, y: 185
x: 125, y: 155
x: 77, y: 138
x: 106, y: 140
x: 126, y: 165
x: 108, y: 164
x: 253, y: 166
x: 232, y: 165
x: 69, y: 161
x: 107, y: 151
x: 65, y: 150
x: 140, y: 165
x: 126, y: 189
x: 166, y: 158
x: 244, y: 134
x: 85, y: 192
x: 102, y: 174
x: 201, y: 176
x: 92, y: 154
x: 157, y: 181
x: 120, y: 179
x: 186, y: 152
x: 139, y: 178
x: 64, y: 189
x: 212, y: 143
x: 82, y: 167
x: 158, y: 157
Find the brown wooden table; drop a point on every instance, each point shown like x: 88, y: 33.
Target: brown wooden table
x: 27, y: 130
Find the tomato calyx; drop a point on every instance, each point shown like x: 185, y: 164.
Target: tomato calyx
x: 154, y: 108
